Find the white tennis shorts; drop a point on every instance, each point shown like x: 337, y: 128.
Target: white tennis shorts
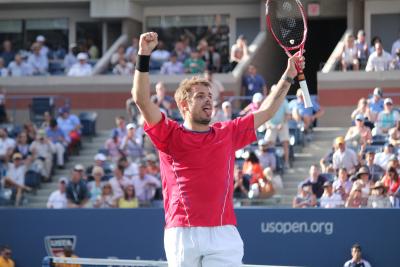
x: 203, y: 246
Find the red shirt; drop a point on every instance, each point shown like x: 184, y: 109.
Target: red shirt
x: 197, y: 170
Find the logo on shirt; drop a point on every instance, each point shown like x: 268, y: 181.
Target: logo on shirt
x: 55, y: 244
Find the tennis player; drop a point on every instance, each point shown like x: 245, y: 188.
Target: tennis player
x: 197, y: 164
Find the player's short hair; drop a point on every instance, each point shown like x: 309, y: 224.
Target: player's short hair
x: 185, y: 88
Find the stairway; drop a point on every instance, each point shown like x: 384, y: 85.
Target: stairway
x: 86, y: 157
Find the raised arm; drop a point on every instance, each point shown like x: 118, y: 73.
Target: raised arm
x: 275, y: 99
x: 141, y: 81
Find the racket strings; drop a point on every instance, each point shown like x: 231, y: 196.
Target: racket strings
x: 286, y: 22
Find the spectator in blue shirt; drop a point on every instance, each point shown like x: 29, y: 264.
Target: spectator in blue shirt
x: 38, y: 62
x: 306, y: 115
x: 253, y: 83
x: 376, y: 103
x: 18, y: 67
x: 59, y: 141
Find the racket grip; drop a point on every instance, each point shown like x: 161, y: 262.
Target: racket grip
x: 304, y: 90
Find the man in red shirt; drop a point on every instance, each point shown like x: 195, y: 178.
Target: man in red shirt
x: 197, y: 164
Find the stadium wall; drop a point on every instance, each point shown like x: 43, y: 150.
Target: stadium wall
x: 300, y: 237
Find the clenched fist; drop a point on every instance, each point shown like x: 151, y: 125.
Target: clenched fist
x: 148, y: 41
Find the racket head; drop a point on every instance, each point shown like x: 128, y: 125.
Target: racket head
x: 287, y: 22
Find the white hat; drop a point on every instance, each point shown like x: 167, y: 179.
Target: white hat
x: 82, y: 56
x: 257, y: 97
x: 100, y: 156
x: 388, y: 100
x: 226, y: 104
x: 40, y: 38
x: 63, y: 180
x: 79, y: 167
x: 130, y: 126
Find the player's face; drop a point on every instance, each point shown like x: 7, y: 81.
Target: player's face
x: 200, y: 105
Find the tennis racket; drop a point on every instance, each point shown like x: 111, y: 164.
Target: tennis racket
x: 286, y: 20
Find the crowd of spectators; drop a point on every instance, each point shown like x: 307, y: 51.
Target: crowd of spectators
x: 362, y: 169
x: 357, y: 54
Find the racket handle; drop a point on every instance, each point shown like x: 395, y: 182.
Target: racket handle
x: 304, y: 90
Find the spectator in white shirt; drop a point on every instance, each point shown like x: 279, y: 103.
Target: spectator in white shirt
x: 39, y: 63
x: 82, y: 68
x: 159, y: 56
x: 44, y: 50
x: 329, y: 198
x: 7, y: 145
x: 18, y: 67
x: 118, y: 182
x: 70, y: 59
x: 382, y: 158
x: 173, y: 66
x: 123, y: 67
x: 145, y: 184
x: 396, y: 45
x: 344, y: 157
x: 3, y: 69
x: 58, y: 198
x: 379, y: 60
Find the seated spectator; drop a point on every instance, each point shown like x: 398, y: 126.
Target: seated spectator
x: 30, y: 130
x: 112, y: 145
x: 216, y: 86
x: 7, y: 146
x: 129, y: 200
x: 253, y: 83
x: 159, y: 56
x: 391, y: 181
x: 131, y: 169
x: 100, y: 160
x: 194, y: 64
x: 327, y: 160
x: 315, y: 180
x: 44, y: 50
x: 8, y: 54
x: 364, y: 110
x: 119, y: 182
x: 14, y: 177
x: 329, y: 198
x: 239, y: 51
x: 46, y: 120
x: 77, y: 191
x: 359, y: 135
x: 375, y: 170
x: 38, y: 62
x: 71, y: 58
x: 394, y: 135
x: 344, y: 157
x: 252, y: 167
x: 362, y: 49
x: 180, y: 51
x: 241, y: 184
x: 118, y: 55
x: 378, y: 198
x: 96, y: 185
x: 58, y: 198
x: 396, y: 45
x: 123, y: 67
x: 70, y: 124
x: 356, y: 259
x: 265, y: 186
x: 18, y: 67
x: 266, y: 157
x: 386, y: 119
x: 120, y: 127
x: 58, y: 140
x: 255, y: 104
x: 306, y: 115
x: 362, y: 177
x: 107, y: 199
x: 3, y: 113
x: 343, y: 184
x: 152, y: 166
x: 145, y: 184
x: 131, y: 145
x: 93, y: 51
x: 305, y: 198
x: 378, y: 60
x: 172, y: 66
x: 395, y: 64
x: 42, y: 151
x: 382, y: 158
x: 349, y: 54
x: 212, y: 59
x: 21, y: 145
x: 3, y: 69
x: 82, y: 68
x: 354, y: 200
x: 394, y: 162
x: 376, y: 103
x: 163, y: 100
x: 133, y: 48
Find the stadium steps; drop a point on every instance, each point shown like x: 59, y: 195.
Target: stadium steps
x: 86, y: 157
x: 322, y: 140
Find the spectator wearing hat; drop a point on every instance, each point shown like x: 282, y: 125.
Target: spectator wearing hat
x: 59, y: 141
x: 365, y: 182
x: 394, y: 135
x: 375, y: 103
x: 379, y: 60
x: 306, y: 115
x: 70, y: 59
x: 254, y: 105
x: 344, y: 157
x: 172, y: 66
x: 77, y: 191
x: 131, y: 145
x: 70, y: 124
x: 100, y: 161
x: 42, y: 151
x: 359, y: 135
x: 386, y: 119
x: 265, y: 155
x: 58, y: 198
x: 382, y: 158
x: 316, y: 180
x: 38, y: 62
x: 111, y: 145
x: 19, y: 67
x: 364, y: 110
x: 342, y: 184
x: 378, y: 198
x: 14, y: 177
x: 305, y: 198
x: 96, y: 185
x: 375, y: 170
x: 329, y: 198
x: 44, y: 50
x: 356, y: 259
x: 145, y: 184
x: 81, y: 68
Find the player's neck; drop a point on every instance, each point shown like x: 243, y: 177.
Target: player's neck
x: 196, y: 127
